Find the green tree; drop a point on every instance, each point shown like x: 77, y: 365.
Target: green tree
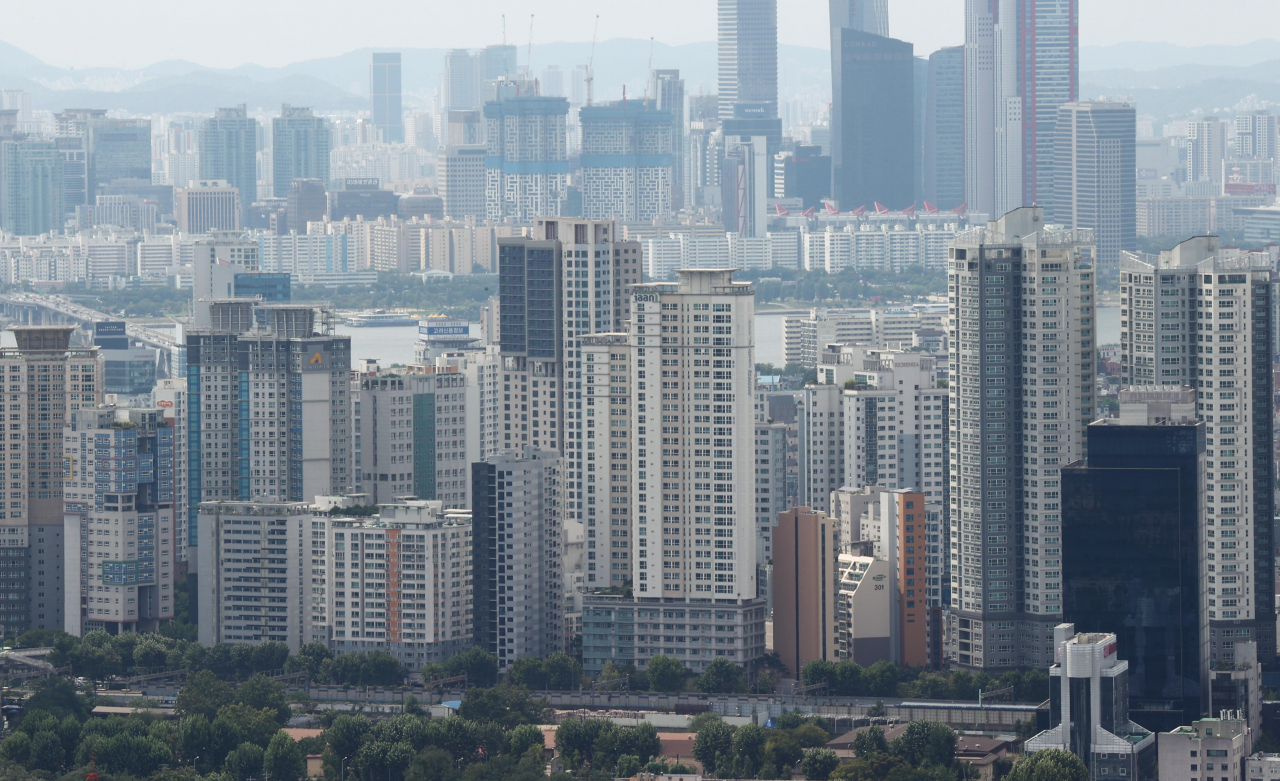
x: 881, y: 679
x: 529, y: 672
x: 564, y: 673
x: 46, y: 752
x: 1054, y: 764
x: 506, y: 705
x: 818, y: 763
x: 261, y: 692
x: 283, y: 760
x: 432, y: 764
x: 245, y: 763
x: 480, y: 667
x: 524, y: 736
x: 722, y: 677
x: 666, y: 674
x: 308, y: 658
x: 628, y: 765
x: 193, y: 739
x: 714, y: 738
x: 346, y: 733
x: 819, y: 671
x: 925, y: 742
x: 203, y: 694
x: 16, y: 748
x: 870, y: 741
x: 379, y: 668
x: 59, y: 697
x: 256, y: 725
x: 748, y: 746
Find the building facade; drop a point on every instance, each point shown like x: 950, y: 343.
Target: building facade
x: 119, y: 494
x: 527, y: 164
x: 1095, y: 176
x: 1021, y: 395
x: 517, y: 541
x: 747, y: 46
x: 1203, y: 317
x: 300, y: 144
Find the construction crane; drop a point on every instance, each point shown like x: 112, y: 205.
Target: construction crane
x: 591, y: 61
x: 528, y: 58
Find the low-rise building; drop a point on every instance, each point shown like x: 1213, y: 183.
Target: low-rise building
x: 1208, y: 748
x: 1089, y: 709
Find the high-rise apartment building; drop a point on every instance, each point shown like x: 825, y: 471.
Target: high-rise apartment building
x: 693, y: 512
x: 1095, y: 176
x: 400, y: 583
x: 696, y: 336
x: 282, y: 432
x: 300, y: 144
x: 517, y: 535
x: 384, y: 98
x: 409, y: 429
x: 747, y: 46
x: 666, y: 91
x: 46, y: 380
x: 1021, y: 394
x: 571, y: 280
x: 527, y: 165
x: 806, y: 549
x: 229, y: 152
x: 170, y: 397
x: 252, y: 560
x: 1206, y: 149
x: 1021, y: 63
x: 943, y: 161
x: 628, y: 162
x: 1256, y: 136
x: 873, y: 127
x: 1203, y: 317
x: 461, y: 181
x: 606, y: 458
x: 31, y: 187
x: 119, y: 562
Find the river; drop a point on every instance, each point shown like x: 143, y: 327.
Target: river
x: 395, y: 344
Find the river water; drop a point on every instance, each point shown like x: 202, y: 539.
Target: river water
x: 395, y: 344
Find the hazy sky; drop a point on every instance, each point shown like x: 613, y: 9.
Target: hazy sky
x: 224, y: 33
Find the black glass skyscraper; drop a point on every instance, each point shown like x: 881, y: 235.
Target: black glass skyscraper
x: 873, y: 121
x: 1130, y: 553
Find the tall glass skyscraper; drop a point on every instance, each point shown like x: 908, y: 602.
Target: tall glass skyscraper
x: 118, y: 149
x: 300, y: 143
x: 1022, y: 61
x: 384, y: 96
x: 748, y: 54
x: 229, y: 151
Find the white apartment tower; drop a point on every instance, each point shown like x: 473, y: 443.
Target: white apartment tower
x: 1021, y: 395
x: 1206, y: 148
x: 410, y: 437
x: 252, y: 560
x: 170, y: 397
x: 1200, y: 316
x: 606, y: 459
x: 694, y: 377
x: 571, y: 281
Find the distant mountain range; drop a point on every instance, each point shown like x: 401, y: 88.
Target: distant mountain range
x: 341, y: 82
x: 1164, y: 79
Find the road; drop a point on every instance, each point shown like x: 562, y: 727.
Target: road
x: 64, y: 306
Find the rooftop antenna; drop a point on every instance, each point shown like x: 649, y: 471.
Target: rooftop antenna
x: 591, y: 61
x: 504, y: 29
x: 528, y: 59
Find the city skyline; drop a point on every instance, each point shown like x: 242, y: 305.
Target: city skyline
x: 44, y: 33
